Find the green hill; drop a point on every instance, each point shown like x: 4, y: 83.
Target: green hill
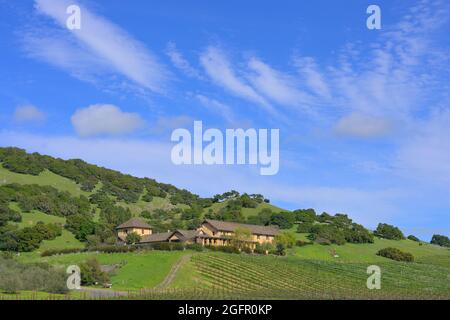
x: 90, y: 201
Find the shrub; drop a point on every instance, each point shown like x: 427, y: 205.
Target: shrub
x: 92, y: 274
x: 15, y: 276
x: 413, y: 238
x: 247, y: 250
x: 327, y: 234
x: 304, y: 227
x: 396, y: 254
x: 10, y: 283
x: 280, y: 249
x: 286, y: 238
x: 167, y: 246
x: 388, y: 231
x: 133, y: 238
x: 301, y: 243
x: 195, y: 247
x: 440, y: 240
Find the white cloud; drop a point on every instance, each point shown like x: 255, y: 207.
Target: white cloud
x: 276, y: 85
x: 313, y: 78
x: 99, y: 47
x: 218, y: 107
x: 105, y: 119
x: 363, y: 126
x: 180, y: 62
x: 28, y: 113
x: 220, y: 70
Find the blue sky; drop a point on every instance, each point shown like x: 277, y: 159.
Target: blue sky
x: 363, y: 114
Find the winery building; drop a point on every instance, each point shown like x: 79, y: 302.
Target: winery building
x: 210, y: 233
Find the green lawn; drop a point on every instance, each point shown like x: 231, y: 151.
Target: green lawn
x: 137, y: 270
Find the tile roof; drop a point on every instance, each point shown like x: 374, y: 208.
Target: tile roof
x: 156, y: 237
x: 232, y: 226
x: 188, y: 234
x: 135, y: 223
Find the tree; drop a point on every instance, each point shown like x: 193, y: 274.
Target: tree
x: 81, y: 226
x: 133, y: 238
x: 280, y: 249
x: 284, y: 220
x: 388, y: 231
x: 241, y: 238
x: 440, y: 240
x: 327, y: 234
x: 413, y: 238
x: 92, y: 274
x: 356, y: 233
x: 305, y: 215
x: 287, y: 239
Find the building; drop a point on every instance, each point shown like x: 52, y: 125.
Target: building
x: 135, y: 225
x: 221, y: 232
x: 210, y: 233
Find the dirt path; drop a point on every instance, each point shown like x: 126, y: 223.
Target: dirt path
x: 173, y: 272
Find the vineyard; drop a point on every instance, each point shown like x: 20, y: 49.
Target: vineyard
x: 247, y: 277
x: 292, y: 278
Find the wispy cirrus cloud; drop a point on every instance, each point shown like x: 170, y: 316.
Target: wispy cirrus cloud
x: 277, y: 86
x: 220, y: 70
x: 181, y: 63
x: 224, y: 110
x: 99, y: 48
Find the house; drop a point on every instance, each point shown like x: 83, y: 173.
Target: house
x: 210, y: 233
x: 222, y: 232
x: 135, y: 225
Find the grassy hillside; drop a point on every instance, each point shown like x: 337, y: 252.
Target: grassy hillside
x: 66, y: 240
x: 367, y: 252
x: 45, y: 178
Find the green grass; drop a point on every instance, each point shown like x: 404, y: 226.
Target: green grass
x: 29, y: 219
x: 137, y: 270
x: 367, y: 252
x: 45, y: 178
